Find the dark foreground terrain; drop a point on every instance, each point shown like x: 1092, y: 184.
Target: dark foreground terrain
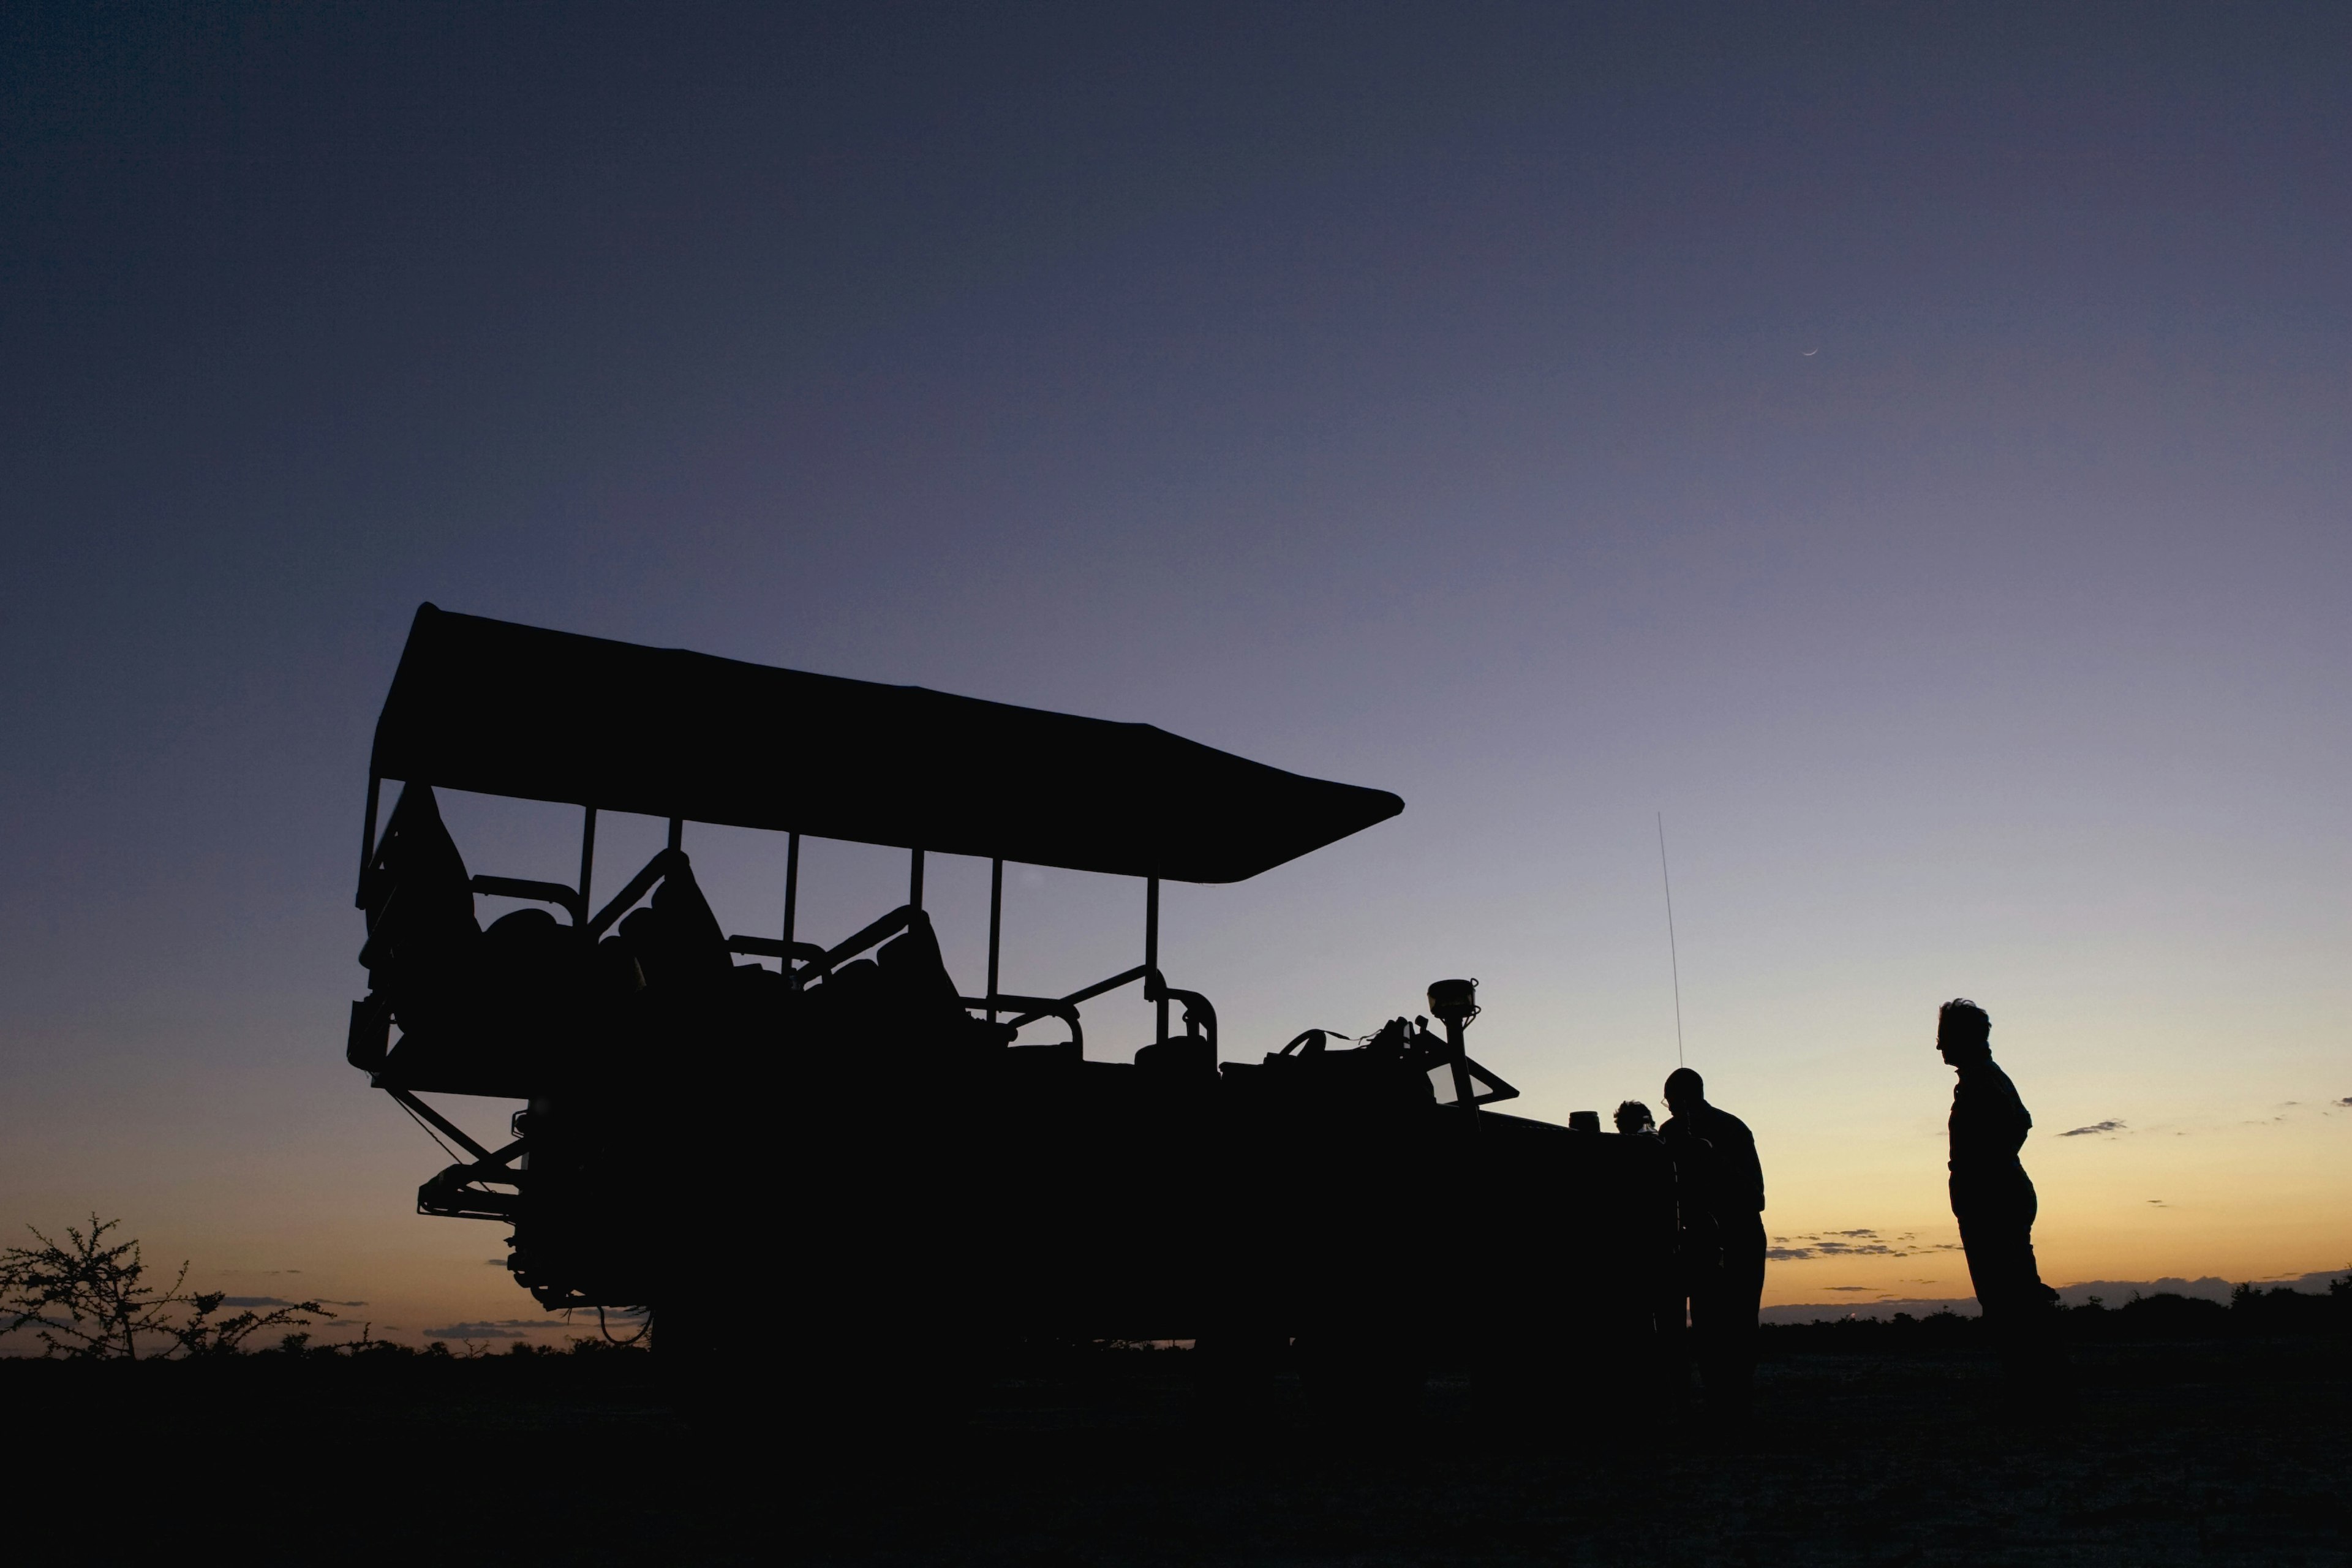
x: 1865, y: 1448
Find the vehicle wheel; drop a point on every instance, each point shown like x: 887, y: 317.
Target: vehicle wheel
x: 1359, y: 1381
x: 1547, y: 1379
x: 1236, y: 1377
x: 863, y: 1382
x: 687, y: 1359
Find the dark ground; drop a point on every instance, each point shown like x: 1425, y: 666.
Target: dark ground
x: 1865, y: 1449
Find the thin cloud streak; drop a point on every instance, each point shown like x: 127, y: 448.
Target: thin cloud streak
x: 492, y: 1329
x: 1859, y: 1242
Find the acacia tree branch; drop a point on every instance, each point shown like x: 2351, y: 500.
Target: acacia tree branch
x: 85, y: 1299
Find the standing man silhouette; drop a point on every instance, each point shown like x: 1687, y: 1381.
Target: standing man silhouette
x: 1721, y: 1184
x: 1993, y: 1197
x: 1658, y: 1258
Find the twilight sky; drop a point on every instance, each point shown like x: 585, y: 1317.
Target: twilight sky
x: 1908, y: 446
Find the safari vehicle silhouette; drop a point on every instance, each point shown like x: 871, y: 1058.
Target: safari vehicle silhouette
x: 848, y: 1149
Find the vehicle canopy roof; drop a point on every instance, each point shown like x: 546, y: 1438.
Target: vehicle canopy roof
x: 508, y: 710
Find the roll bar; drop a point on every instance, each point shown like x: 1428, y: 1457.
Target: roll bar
x: 873, y: 935
x: 660, y: 866
x: 1034, y: 1008
x: 816, y: 962
x: 556, y: 893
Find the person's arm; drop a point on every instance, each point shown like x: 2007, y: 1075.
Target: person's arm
x: 1751, y: 1167
x: 2016, y: 1121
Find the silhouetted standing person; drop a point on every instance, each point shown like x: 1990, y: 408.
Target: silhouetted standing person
x: 1720, y: 1183
x: 1658, y: 1262
x: 1993, y: 1197
x: 1634, y: 1119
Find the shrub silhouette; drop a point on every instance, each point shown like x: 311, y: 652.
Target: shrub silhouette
x: 88, y: 1301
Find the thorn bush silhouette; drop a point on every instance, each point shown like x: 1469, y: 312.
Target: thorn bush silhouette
x: 88, y: 1300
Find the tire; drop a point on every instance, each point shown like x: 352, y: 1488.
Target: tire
x: 1362, y: 1380
x: 1237, y: 1378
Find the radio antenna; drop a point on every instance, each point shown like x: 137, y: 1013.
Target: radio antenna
x: 1674, y: 959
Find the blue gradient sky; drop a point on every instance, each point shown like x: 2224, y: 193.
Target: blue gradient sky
x: 1908, y: 448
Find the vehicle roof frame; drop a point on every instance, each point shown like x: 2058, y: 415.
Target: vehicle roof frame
x: 520, y: 711
x: 816, y: 961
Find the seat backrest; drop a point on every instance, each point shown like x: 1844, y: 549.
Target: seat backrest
x: 416, y: 893
x: 678, y: 941
x: 910, y: 961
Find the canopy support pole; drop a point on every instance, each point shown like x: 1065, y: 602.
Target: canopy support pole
x: 677, y: 834
x: 367, y: 835
x: 587, y: 859
x: 792, y: 892
x: 1151, y: 951
x: 915, y: 880
x: 995, y: 927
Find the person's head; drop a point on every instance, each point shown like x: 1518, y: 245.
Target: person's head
x: 1634, y: 1116
x: 1686, y: 1092
x: 1963, y: 1032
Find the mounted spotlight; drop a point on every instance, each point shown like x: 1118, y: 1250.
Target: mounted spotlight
x: 1454, y: 1001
